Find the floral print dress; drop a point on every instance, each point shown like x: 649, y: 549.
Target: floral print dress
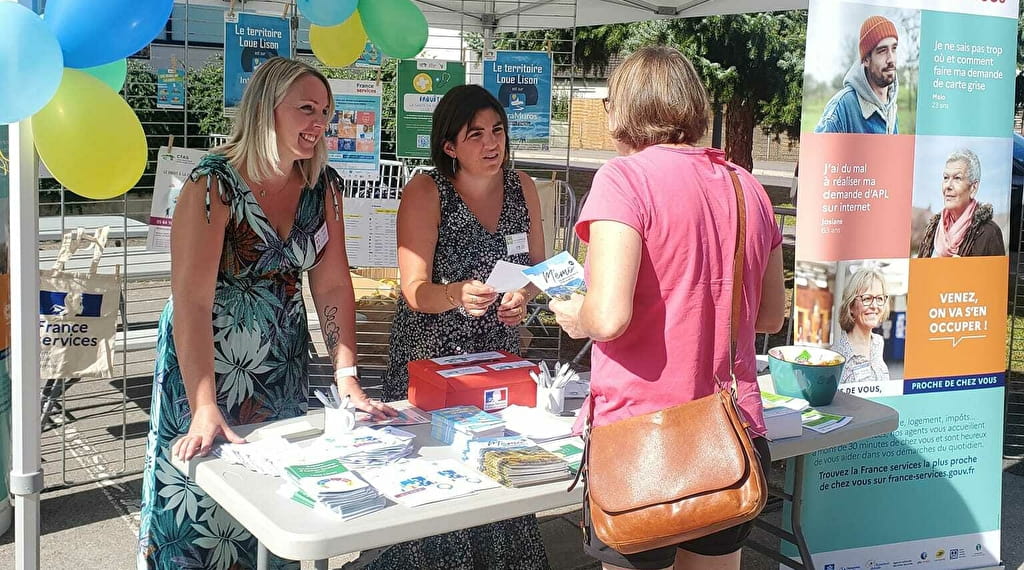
x: 261, y: 355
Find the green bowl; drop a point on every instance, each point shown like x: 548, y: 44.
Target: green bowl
x: 815, y: 383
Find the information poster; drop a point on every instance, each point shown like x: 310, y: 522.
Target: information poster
x: 421, y: 84
x: 901, y: 267
x: 521, y: 81
x: 353, y: 133
x: 370, y: 237
x: 170, y: 88
x: 173, y: 165
x: 250, y: 40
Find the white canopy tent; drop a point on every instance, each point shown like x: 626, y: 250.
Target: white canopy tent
x: 485, y: 16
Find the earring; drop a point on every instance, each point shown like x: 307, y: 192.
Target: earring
x: 455, y: 164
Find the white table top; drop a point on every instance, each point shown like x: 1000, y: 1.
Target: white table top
x: 293, y: 531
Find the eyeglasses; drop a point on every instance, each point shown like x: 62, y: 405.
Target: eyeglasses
x: 877, y: 300
x: 605, y: 102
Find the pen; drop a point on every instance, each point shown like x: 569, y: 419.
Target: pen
x: 337, y: 396
x: 323, y: 398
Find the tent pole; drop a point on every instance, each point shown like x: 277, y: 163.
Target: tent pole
x: 26, y: 475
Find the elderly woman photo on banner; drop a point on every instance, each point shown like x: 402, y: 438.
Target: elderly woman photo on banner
x: 961, y: 204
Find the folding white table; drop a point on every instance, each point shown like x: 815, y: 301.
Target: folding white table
x: 295, y: 532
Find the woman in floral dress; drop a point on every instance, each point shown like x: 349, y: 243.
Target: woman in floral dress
x: 233, y: 341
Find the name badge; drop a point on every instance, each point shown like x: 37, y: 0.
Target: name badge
x: 862, y: 372
x: 321, y: 238
x: 517, y: 243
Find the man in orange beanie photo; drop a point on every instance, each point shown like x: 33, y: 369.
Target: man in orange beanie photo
x: 867, y: 101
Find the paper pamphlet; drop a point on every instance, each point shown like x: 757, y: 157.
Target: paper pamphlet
x: 467, y: 358
x: 507, y: 276
x: 559, y: 276
x: 821, y: 422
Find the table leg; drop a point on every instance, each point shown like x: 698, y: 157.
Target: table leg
x: 320, y: 564
x: 262, y: 557
x: 796, y: 514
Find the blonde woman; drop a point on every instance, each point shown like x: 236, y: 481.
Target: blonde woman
x: 660, y: 223
x: 863, y: 308
x: 232, y: 346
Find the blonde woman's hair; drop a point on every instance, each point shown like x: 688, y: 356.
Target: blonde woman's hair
x: 253, y: 140
x: 655, y: 97
x: 858, y: 284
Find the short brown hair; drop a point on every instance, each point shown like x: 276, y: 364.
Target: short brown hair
x: 656, y: 97
x: 457, y: 109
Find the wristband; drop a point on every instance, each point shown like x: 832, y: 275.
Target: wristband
x: 346, y: 371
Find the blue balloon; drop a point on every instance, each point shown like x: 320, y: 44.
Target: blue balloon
x: 327, y: 12
x: 95, y: 32
x: 31, y: 65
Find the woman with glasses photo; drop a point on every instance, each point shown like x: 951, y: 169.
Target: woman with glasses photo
x: 864, y: 307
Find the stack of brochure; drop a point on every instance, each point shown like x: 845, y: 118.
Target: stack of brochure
x: 333, y: 487
x: 473, y: 450
x: 363, y: 446
x: 782, y: 415
x: 416, y: 482
x: 525, y: 466
x: 534, y: 423
x: 569, y: 449
x: 266, y: 456
x: 460, y: 423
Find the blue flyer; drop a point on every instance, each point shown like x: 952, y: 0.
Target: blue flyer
x: 353, y: 133
x: 250, y: 40
x: 170, y: 89
x: 521, y: 81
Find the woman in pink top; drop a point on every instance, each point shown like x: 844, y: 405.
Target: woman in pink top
x: 660, y: 223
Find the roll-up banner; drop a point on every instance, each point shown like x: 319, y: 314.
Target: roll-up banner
x: 901, y: 266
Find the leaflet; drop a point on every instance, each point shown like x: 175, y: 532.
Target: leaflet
x: 559, y: 276
x: 416, y: 482
x: 822, y: 422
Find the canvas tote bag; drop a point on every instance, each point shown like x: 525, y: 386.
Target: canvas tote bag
x: 677, y: 474
x: 78, y: 312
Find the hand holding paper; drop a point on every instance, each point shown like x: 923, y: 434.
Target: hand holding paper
x: 559, y: 276
x: 507, y: 276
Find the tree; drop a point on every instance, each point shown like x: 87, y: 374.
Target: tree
x: 751, y: 63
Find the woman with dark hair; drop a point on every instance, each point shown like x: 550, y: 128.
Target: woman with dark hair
x: 454, y: 223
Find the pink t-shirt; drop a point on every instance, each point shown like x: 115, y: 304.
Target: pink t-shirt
x: 682, y: 202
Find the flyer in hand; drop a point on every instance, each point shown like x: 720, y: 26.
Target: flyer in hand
x: 559, y: 276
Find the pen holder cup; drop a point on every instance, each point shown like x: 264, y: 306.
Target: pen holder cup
x: 551, y: 400
x: 338, y: 420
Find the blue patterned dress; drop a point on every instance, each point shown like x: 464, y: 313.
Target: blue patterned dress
x: 261, y: 355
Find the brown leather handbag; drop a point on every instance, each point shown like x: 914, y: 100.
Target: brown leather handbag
x: 677, y: 474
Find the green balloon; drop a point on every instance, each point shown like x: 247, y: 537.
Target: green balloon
x: 397, y: 27
x: 113, y: 73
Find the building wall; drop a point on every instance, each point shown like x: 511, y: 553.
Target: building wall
x: 589, y: 131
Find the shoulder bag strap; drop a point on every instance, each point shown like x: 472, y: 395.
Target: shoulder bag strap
x: 737, y: 271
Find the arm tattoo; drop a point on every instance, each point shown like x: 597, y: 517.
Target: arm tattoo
x: 331, y: 330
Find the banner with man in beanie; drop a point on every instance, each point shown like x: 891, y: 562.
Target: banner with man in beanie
x: 901, y: 268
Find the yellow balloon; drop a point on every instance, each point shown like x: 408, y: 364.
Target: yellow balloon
x: 89, y: 138
x: 338, y: 46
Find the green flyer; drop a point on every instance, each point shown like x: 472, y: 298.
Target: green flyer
x: 421, y: 84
